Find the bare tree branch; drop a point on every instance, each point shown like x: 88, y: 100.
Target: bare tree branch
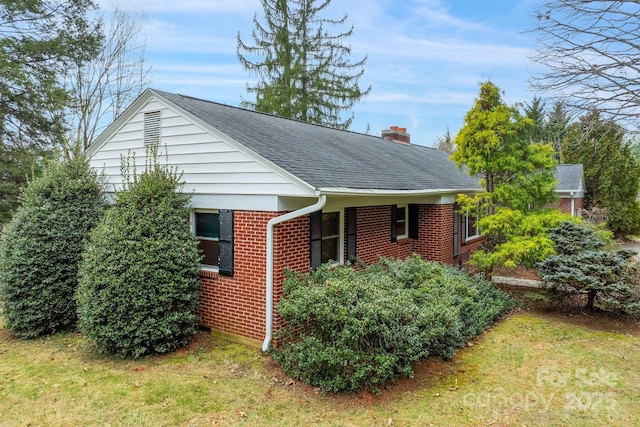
x: 591, y: 50
x: 104, y: 86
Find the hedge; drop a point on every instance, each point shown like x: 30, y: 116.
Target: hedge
x: 348, y: 329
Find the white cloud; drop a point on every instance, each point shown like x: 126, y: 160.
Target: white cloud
x: 184, y: 6
x: 426, y: 58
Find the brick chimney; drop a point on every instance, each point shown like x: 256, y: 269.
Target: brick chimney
x: 397, y: 134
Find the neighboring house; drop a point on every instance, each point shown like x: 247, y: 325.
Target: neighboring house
x: 271, y: 194
x: 570, y: 188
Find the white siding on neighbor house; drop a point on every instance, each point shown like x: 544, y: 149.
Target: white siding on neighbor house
x: 210, y: 166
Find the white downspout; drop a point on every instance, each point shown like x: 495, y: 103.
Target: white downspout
x: 573, y: 204
x: 322, y: 199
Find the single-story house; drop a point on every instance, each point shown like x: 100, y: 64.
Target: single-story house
x: 271, y: 193
x: 570, y: 188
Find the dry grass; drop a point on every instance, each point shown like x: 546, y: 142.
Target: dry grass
x: 529, y: 369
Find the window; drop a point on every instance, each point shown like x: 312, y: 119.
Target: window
x: 151, y: 127
x: 325, y: 238
x: 471, y: 230
x: 207, y: 231
x: 401, y: 222
x: 330, y: 236
x: 214, y: 232
x: 400, y: 226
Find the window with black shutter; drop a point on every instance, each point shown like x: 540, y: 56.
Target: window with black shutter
x: 214, y: 232
x: 207, y: 231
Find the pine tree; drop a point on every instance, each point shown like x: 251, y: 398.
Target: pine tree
x: 304, y: 71
x: 40, y: 40
x: 556, y: 127
x: 535, y: 111
x: 611, y: 173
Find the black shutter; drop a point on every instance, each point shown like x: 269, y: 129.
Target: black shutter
x: 225, y: 243
x: 315, y: 250
x: 463, y: 229
x: 350, y: 214
x: 414, y: 217
x: 394, y: 223
x: 456, y: 231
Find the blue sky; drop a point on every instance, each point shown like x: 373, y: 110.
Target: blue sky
x: 426, y: 58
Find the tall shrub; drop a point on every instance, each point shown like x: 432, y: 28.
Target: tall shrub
x: 42, y: 247
x: 140, y: 274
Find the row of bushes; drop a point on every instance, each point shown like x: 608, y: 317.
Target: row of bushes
x: 127, y: 276
x: 349, y: 328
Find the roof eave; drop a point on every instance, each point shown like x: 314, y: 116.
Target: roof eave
x: 337, y: 191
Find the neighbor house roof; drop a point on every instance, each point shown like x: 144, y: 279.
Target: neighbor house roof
x: 570, y: 178
x: 328, y: 158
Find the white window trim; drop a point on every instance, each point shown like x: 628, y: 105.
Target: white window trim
x: 340, y: 235
x: 406, y: 222
x: 205, y: 267
x: 469, y: 236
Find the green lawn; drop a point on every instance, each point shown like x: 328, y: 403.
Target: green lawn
x: 529, y: 369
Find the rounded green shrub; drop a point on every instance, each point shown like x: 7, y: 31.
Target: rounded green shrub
x: 139, y: 280
x: 348, y: 329
x: 42, y: 247
x: 583, y: 266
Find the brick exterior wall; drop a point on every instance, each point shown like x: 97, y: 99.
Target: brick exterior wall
x: 435, y: 232
x: 564, y: 204
x: 236, y: 305
x: 373, y: 235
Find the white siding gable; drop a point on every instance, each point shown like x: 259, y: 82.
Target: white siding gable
x: 212, y: 163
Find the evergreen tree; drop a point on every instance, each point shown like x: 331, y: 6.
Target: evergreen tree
x: 494, y: 144
x: 40, y: 40
x: 42, y: 246
x: 556, y: 127
x: 549, y: 127
x: 611, y: 172
x: 536, y: 112
x: 16, y: 164
x: 304, y: 72
x: 582, y: 266
x: 139, y: 278
x: 445, y: 143
x: 516, y: 175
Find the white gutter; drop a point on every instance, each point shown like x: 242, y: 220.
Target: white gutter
x: 374, y: 192
x: 322, y: 199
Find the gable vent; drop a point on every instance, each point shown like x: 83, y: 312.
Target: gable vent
x: 152, y: 127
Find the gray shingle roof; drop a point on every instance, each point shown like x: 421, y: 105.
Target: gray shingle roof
x: 329, y: 158
x: 569, y: 178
